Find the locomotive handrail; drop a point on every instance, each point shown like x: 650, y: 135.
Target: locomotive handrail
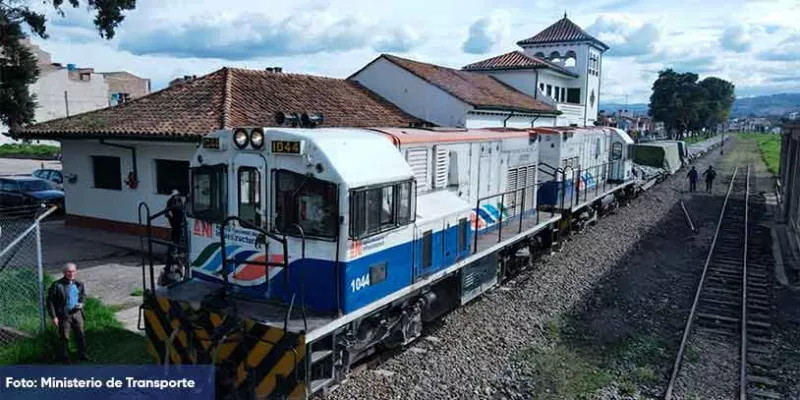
x: 151, y: 240
x: 302, y: 278
x: 149, y: 246
x: 285, y: 264
x: 520, y: 215
x: 251, y: 226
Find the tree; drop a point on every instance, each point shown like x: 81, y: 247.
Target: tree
x: 17, y: 63
x: 720, y: 98
x: 677, y: 101
x: 682, y: 103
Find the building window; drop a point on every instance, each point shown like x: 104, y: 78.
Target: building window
x: 541, y: 86
x: 307, y: 202
x: 172, y: 174
x: 380, y: 209
x: 107, y: 173
x: 250, y: 195
x: 550, y: 90
x: 563, y: 94
x: 574, y: 95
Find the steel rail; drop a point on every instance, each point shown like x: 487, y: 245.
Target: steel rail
x: 743, y: 350
x: 682, y: 348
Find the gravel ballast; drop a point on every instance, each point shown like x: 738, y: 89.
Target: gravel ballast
x: 468, y: 355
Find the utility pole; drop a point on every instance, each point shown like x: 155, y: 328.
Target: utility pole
x: 66, y: 102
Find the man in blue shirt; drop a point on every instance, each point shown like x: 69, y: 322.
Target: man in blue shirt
x: 65, y: 305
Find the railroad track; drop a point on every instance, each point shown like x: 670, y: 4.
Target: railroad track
x: 732, y: 301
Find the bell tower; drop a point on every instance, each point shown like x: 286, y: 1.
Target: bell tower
x: 566, y: 45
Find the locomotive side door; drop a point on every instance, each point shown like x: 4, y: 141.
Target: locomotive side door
x: 428, y: 248
x: 248, y: 194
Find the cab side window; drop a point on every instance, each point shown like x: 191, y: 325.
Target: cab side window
x: 381, y: 208
x: 616, y: 151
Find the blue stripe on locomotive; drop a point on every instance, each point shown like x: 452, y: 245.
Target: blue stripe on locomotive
x: 550, y: 192
x: 403, y: 267
x: 312, y: 281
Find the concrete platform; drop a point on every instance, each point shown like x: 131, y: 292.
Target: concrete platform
x: 62, y: 244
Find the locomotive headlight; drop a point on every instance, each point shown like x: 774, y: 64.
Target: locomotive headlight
x: 257, y: 138
x: 240, y: 138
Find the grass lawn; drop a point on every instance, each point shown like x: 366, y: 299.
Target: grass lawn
x: 770, y: 147
x: 694, y: 139
x: 31, y: 150
x: 108, y: 342
x: 697, y: 139
x: 576, y: 366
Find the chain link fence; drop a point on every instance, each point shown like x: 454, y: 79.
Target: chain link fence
x: 21, y: 275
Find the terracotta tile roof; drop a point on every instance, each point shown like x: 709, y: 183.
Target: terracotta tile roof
x: 563, y: 30
x: 479, y: 90
x: 516, y: 60
x: 228, y: 98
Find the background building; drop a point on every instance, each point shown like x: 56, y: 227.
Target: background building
x: 560, y: 65
x: 453, y: 98
x: 65, y: 90
x: 141, y: 150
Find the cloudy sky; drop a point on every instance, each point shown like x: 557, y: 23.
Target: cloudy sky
x: 754, y: 43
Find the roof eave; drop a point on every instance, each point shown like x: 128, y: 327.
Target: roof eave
x: 563, y: 72
x: 599, y: 44
x: 504, y: 68
x: 515, y: 109
x: 83, y: 135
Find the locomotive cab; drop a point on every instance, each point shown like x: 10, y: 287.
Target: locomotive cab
x: 309, y: 187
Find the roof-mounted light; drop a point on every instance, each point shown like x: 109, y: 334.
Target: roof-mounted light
x: 240, y: 138
x: 257, y: 138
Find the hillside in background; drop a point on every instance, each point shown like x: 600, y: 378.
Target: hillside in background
x: 772, y: 105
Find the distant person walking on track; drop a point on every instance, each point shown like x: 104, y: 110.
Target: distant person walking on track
x: 65, y: 305
x: 710, y: 174
x: 693, y: 176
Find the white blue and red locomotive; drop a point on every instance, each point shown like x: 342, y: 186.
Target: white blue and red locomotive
x: 369, y: 232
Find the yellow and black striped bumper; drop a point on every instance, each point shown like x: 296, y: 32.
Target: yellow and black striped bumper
x: 251, y: 358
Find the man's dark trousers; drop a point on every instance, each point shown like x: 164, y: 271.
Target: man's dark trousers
x: 72, y: 322
x: 692, y: 185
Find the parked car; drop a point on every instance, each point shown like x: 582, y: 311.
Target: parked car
x: 52, y: 175
x: 18, y: 191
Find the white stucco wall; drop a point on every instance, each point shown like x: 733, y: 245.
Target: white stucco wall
x: 582, y: 51
x: 82, y: 96
x: 412, y: 94
x: 83, y: 199
x: 527, y: 82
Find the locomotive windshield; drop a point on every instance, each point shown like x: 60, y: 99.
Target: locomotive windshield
x: 209, y: 193
x: 307, y: 202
